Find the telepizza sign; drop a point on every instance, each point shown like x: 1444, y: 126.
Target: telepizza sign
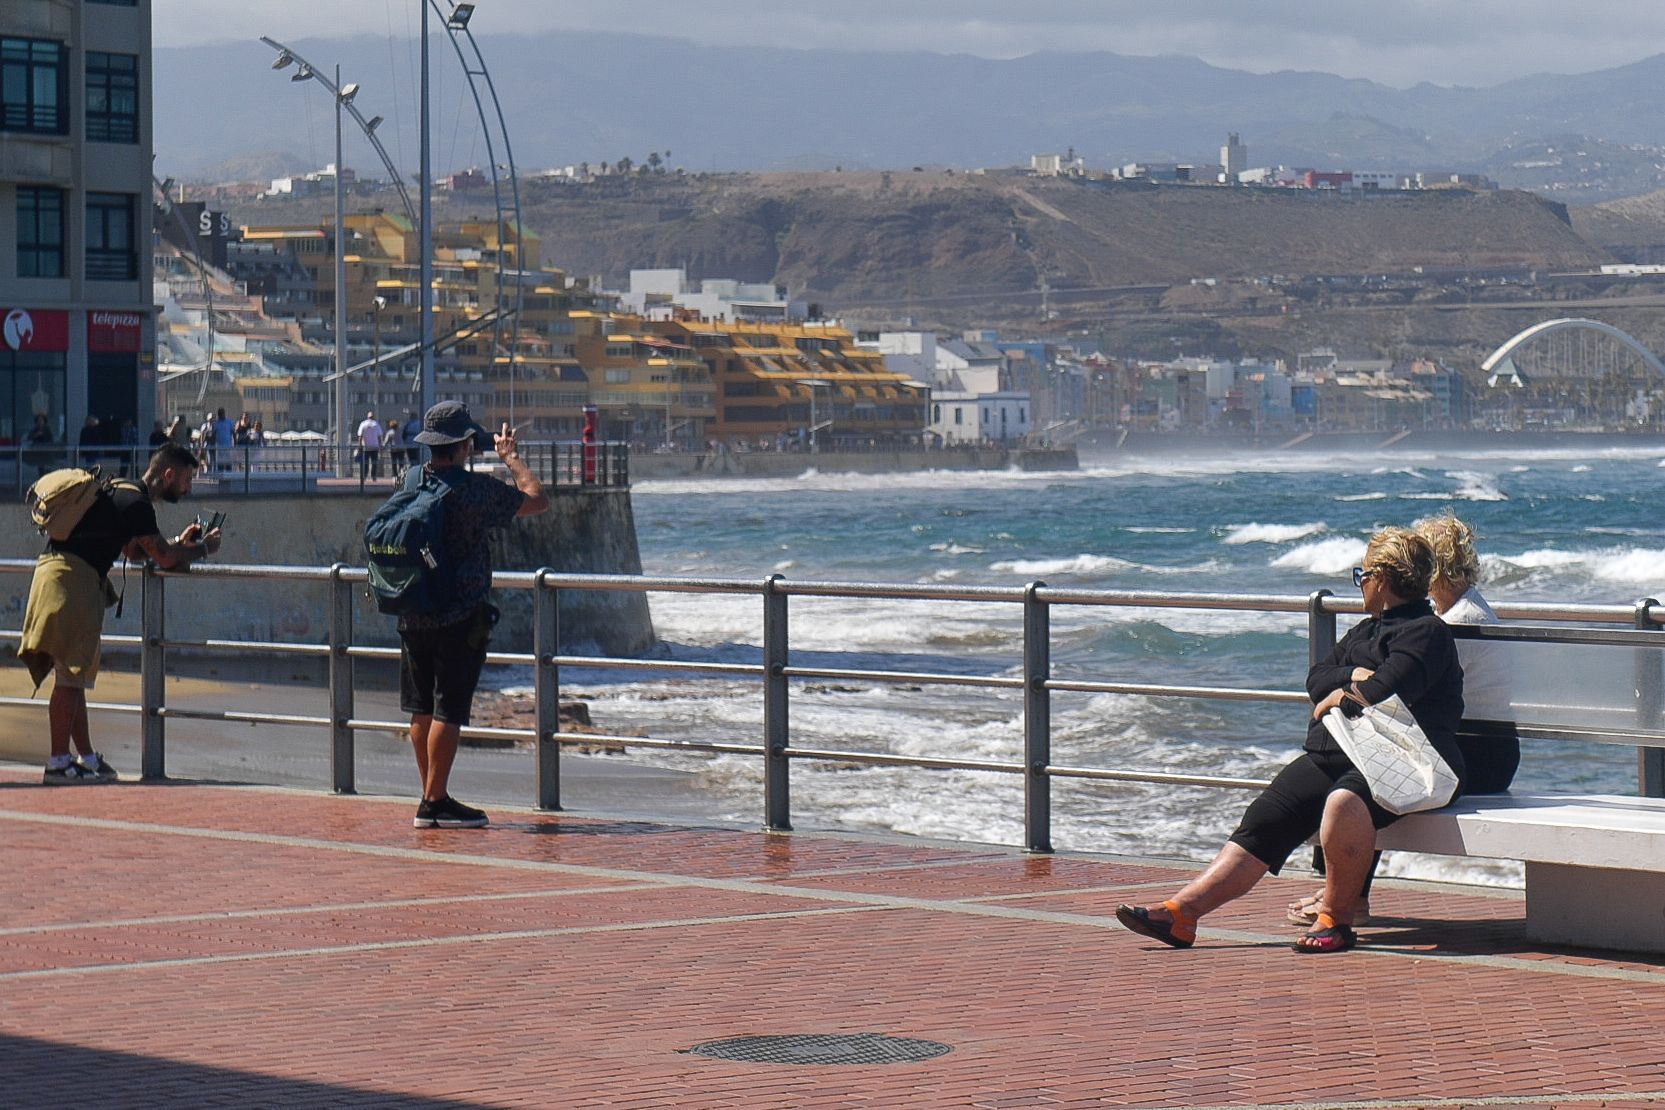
x: 120, y: 332
x: 38, y: 329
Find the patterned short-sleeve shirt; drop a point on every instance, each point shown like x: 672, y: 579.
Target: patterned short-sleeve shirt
x: 476, y: 504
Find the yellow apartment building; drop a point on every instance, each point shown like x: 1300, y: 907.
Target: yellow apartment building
x: 776, y: 381
x: 570, y: 348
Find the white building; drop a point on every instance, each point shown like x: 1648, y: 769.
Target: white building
x: 1057, y: 165
x: 913, y: 353
x: 1234, y: 159
x: 968, y: 418
x: 1376, y: 180
x: 657, y: 293
x: 970, y: 365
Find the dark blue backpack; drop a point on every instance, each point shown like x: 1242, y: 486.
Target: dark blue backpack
x: 404, y: 541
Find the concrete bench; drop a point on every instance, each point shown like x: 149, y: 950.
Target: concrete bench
x: 1595, y: 863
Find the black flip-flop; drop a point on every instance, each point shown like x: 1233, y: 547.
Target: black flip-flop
x: 1137, y: 918
x: 1336, y: 938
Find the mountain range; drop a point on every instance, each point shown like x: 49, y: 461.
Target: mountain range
x: 572, y: 97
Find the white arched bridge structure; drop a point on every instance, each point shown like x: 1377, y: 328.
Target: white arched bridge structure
x: 1569, y: 348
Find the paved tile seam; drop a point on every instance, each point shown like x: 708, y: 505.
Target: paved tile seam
x: 802, y: 893
x: 1057, y: 891
x: 325, y: 907
x: 971, y: 859
x: 1622, y: 1097
x: 431, y: 942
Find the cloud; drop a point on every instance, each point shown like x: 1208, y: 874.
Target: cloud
x: 1456, y: 42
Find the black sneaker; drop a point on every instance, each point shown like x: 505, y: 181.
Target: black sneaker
x: 100, y: 769
x: 425, y: 818
x: 448, y: 813
x: 72, y: 775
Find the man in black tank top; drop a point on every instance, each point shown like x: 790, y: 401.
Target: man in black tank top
x: 71, y: 589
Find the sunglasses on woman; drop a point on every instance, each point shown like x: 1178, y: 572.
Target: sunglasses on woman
x: 1360, y: 574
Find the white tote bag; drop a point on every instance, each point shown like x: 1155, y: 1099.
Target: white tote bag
x: 1405, y: 773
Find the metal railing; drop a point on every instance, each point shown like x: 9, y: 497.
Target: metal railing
x: 1639, y: 726
x: 316, y: 467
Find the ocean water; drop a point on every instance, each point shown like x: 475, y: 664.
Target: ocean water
x: 1554, y: 526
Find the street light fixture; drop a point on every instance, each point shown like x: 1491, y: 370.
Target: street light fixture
x: 815, y: 426
x: 283, y: 59
x: 460, y: 15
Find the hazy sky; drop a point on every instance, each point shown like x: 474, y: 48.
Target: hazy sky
x: 1397, y: 42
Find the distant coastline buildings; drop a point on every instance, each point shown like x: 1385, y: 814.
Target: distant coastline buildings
x: 1234, y: 169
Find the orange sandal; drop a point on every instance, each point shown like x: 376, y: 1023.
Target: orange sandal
x: 1328, y: 937
x: 1181, y: 932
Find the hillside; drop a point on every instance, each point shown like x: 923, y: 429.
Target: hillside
x: 577, y: 96
x: 852, y: 239
x: 1632, y: 229
x: 847, y: 238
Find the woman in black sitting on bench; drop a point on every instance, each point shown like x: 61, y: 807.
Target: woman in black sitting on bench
x: 1401, y: 648
x: 1487, y: 687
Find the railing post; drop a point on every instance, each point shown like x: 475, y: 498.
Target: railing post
x: 341, y: 681
x: 546, y: 685
x: 1320, y: 628
x: 777, y: 733
x: 1037, y: 720
x: 153, y: 762
x: 1650, y: 697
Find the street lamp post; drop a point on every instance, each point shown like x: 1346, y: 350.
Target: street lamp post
x: 342, y: 97
x: 376, y: 306
x: 426, y: 191
x: 813, y: 384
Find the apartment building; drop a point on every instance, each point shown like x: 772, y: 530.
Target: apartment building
x: 797, y: 382
x: 76, y: 322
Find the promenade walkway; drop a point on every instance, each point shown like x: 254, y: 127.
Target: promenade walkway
x: 207, y: 945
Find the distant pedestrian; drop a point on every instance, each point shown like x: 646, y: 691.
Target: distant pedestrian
x: 224, y: 439
x: 441, y: 652
x: 369, y: 447
x: 393, y: 447
x: 158, y: 435
x: 71, y: 589
x: 412, y: 429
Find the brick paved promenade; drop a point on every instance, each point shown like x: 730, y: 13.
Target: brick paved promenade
x: 186, y: 945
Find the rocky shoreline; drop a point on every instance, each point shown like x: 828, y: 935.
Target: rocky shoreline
x: 498, y: 709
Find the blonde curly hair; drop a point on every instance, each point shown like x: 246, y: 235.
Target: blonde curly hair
x: 1403, y: 558
x: 1456, y: 564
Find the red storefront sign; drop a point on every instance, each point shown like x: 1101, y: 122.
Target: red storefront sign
x: 34, y: 329
x: 120, y: 332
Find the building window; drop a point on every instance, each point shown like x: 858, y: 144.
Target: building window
x: 110, y: 249
x: 32, y: 388
x: 618, y: 377
x: 40, y: 232
x: 112, y: 98
x: 34, y: 86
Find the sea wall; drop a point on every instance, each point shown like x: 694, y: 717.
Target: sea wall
x: 645, y: 466
x: 591, y: 532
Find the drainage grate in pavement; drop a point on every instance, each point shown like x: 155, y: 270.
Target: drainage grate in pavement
x: 817, y: 1048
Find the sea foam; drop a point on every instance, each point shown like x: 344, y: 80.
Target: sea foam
x: 1272, y: 533
x: 1324, y: 557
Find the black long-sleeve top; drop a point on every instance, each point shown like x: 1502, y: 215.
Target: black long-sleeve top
x: 1413, y: 654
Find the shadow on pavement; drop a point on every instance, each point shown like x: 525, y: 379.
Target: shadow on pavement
x: 44, y: 1073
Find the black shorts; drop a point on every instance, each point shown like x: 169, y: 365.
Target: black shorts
x: 1289, y: 811
x: 440, y: 667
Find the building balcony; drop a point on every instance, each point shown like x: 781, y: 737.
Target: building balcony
x: 37, y: 159
x: 47, y: 19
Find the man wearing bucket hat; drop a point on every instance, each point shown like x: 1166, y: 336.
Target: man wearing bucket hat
x: 441, y: 652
